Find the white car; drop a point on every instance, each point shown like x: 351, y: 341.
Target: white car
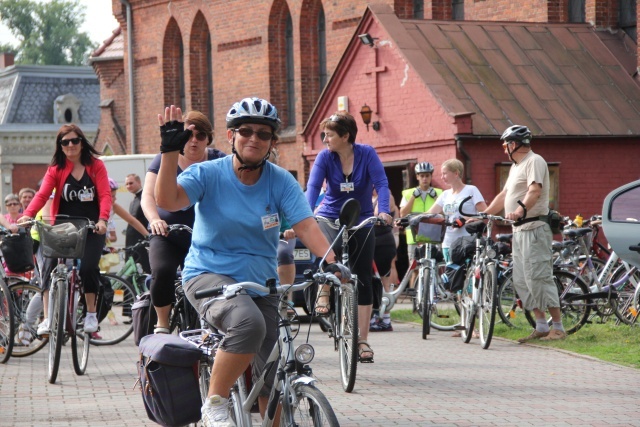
x: 621, y: 221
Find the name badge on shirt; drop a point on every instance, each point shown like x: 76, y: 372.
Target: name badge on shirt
x: 347, y: 187
x: 85, y: 195
x: 270, y: 221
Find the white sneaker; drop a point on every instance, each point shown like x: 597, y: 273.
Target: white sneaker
x: 43, y: 328
x: 90, y: 324
x: 215, y: 412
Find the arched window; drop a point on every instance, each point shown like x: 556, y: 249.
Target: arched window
x: 291, y: 77
x: 200, y: 61
x: 281, y: 62
x: 172, y: 65
x: 418, y: 9
x: 322, y: 49
x: 576, y: 11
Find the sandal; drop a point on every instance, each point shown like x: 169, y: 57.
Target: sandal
x: 325, y: 307
x: 160, y: 330
x: 363, y: 348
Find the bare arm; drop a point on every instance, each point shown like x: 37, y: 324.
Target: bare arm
x: 406, y: 209
x: 130, y: 219
x: 311, y: 235
x: 497, y: 204
x: 533, y: 194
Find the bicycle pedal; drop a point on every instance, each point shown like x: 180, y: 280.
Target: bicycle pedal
x: 459, y: 328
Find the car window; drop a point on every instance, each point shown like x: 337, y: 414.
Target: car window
x: 626, y: 206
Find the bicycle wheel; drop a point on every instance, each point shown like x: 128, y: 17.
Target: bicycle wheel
x: 204, y: 376
x: 487, y: 309
x: 58, y: 302
x: 348, y: 336
x: 116, y: 325
x: 310, y: 407
x: 426, y: 302
x: 445, y: 305
x: 7, y: 323
x: 574, y: 302
x: 27, y: 311
x: 79, y: 339
x: 468, y: 315
x: 625, y: 311
x: 507, y: 305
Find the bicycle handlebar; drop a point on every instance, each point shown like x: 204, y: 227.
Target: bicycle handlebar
x: 230, y: 291
x: 483, y: 215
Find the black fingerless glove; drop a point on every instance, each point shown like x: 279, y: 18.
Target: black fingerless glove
x: 336, y: 267
x: 174, y: 137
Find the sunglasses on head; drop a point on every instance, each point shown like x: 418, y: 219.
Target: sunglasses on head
x: 248, y: 132
x: 74, y: 141
x: 12, y: 204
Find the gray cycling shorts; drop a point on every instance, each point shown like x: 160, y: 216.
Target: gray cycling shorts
x: 250, y: 324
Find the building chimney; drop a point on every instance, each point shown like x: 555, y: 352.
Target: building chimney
x: 6, y: 59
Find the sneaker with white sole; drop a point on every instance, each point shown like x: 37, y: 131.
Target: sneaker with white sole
x: 43, y: 328
x: 90, y: 324
x: 215, y: 412
x: 24, y: 335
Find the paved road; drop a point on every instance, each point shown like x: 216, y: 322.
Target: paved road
x: 438, y: 382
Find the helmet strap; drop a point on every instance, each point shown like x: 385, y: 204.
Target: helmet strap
x: 518, y: 146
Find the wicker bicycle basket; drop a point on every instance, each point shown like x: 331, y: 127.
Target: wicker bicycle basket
x: 65, y: 239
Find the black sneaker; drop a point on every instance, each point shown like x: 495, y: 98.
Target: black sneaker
x: 381, y: 327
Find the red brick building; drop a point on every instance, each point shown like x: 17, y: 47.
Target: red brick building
x: 205, y: 54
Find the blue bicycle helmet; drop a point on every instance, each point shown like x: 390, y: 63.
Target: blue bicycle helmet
x: 253, y: 110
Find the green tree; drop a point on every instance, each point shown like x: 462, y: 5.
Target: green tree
x: 48, y: 32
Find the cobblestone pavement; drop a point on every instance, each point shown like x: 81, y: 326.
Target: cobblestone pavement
x: 437, y: 382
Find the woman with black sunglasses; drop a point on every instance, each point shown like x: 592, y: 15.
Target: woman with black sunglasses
x: 167, y: 251
x: 350, y: 170
x: 80, y: 186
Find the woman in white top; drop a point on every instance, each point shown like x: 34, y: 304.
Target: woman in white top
x: 449, y: 202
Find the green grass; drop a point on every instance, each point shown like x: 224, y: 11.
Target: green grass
x: 607, y: 342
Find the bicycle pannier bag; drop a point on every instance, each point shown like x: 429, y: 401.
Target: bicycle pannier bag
x: 556, y: 221
x: 453, y: 277
x: 17, y: 250
x: 168, y: 375
x: 462, y: 249
x: 144, y: 317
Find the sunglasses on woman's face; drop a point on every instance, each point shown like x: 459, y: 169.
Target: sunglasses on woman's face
x: 12, y: 204
x: 248, y: 132
x: 200, y: 136
x: 74, y: 141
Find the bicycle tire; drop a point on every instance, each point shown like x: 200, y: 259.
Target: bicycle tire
x: 416, y: 300
x: 117, y: 325
x: 7, y: 323
x: 445, y: 305
x: 309, y: 408
x: 22, y: 293
x: 625, y: 311
x: 487, y: 309
x: 575, y: 309
x: 348, y: 336
x: 79, y: 347
x: 507, y: 305
x: 58, y: 300
x: 468, y: 315
x: 426, y: 302
x: 204, y: 377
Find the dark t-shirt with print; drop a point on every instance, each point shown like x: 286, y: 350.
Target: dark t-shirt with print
x: 80, y: 198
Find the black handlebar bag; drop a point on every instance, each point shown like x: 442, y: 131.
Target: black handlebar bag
x: 17, y: 250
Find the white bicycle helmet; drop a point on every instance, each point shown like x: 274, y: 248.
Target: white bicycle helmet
x: 517, y: 133
x: 253, y: 110
x: 424, y: 167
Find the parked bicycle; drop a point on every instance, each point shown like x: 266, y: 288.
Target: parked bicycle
x: 294, y: 390
x: 480, y: 289
x: 26, y: 297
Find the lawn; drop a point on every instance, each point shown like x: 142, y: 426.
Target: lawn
x: 608, y: 342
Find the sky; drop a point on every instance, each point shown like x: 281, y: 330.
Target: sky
x: 99, y: 22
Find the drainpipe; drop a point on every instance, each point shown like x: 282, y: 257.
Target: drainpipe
x: 467, y: 161
x: 130, y: 76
